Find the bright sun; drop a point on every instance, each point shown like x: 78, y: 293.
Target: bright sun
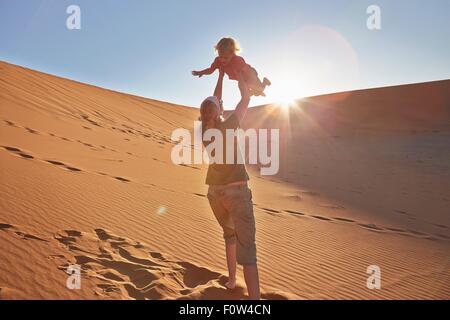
x: 286, y: 94
x: 287, y: 103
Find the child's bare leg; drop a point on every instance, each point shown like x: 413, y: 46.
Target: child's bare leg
x: 257, y: 89
x: 257, y: 86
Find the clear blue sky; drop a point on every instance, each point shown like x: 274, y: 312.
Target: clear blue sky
x: 149, y: 48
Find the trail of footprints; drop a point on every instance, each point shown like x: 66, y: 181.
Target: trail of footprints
x: 156, y: 137
x: 367, y: 226
x: 28, y: 156
x: 32, y: 131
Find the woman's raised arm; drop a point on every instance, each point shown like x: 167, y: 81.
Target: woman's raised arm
x: 218, y: 89
x: 242, y: 106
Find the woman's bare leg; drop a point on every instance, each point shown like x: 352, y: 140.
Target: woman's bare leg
x: 252, y: 281
x: 230, y: 250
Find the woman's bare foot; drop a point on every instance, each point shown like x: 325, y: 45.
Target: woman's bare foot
x: 231, y: 284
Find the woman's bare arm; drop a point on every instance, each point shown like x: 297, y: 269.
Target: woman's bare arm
x: 219, y: 85
x: 242, y: 106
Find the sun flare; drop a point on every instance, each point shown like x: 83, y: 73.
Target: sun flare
x: 286, y: 93
x: 287, y: 103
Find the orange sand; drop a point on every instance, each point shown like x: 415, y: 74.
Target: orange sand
x: 86, y: 178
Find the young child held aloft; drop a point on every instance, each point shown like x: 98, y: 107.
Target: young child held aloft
x: 235, y: 66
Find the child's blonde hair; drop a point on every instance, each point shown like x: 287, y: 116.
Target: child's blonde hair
x: 226, y: 44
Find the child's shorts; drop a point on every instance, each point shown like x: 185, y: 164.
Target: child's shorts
x: 233, y: 209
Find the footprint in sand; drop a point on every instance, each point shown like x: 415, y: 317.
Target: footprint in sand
x: 297, y: 213
x: 22, y: 234
x: 27, y: 236
x: 344, y: 219
x: 321, y: 218
x: 12, y: 149
x: 91, y: 121
x: 56, y: 163
x: 122, y: 179
x: 371, y: 227
x: 5, y: 226
x: 396, y: 230
x: 187, y: 166
x: 61, y: 164
x: 25, y: 156
x: 270, y: 211
x: 18, y: 152
x: 73, y: 169
x: 10, y: 123
x: 31, y: 130
x: 199, y: 195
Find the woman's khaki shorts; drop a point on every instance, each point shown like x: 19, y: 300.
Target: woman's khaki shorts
x: 233, y: 208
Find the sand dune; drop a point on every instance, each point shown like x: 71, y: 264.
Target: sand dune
x: 86, y: 178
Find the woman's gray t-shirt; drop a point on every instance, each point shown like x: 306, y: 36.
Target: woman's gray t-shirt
x: 221, y: 174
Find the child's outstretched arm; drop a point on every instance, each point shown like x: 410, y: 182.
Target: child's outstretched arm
x: 201, y: 73
x: 206, y: 71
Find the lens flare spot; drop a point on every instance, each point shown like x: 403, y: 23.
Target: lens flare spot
x: 162, y: 210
